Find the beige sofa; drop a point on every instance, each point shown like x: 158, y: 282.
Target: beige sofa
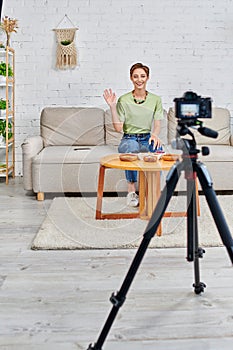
x: 65, y: 156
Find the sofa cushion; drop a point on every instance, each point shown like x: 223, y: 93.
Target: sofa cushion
x: 72, y: 126
x: 112, y: 137
x: 219, y: 122
x: 218, y: 154
x: 163, y: 128
x: 73, y: 154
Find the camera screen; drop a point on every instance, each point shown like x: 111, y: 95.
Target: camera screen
x: 189, y: 110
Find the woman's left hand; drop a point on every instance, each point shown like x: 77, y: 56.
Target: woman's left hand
x: 157, y: 141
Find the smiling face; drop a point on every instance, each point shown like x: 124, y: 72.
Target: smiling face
x: 139, y: 79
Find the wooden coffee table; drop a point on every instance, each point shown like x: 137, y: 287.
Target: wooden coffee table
x: 149, y: 187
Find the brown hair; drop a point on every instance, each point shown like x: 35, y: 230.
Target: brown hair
x: 139, y: 65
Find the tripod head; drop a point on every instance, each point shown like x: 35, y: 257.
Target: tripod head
x: 189, y: 146
x: 187, y: 109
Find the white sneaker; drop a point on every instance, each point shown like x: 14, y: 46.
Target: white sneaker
x: 132, y: 199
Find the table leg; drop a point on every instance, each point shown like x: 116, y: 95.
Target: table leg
x: 149, y: 194
x: 156, y: 187
x: 142, y: 193
x: 156, y: 194
x: 152, y: 190
x: 100, y: 192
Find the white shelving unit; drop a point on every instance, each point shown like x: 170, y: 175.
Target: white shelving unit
x: 7, y: 92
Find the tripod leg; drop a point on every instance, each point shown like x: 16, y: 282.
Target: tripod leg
x: 191, y: 220
x: 194, y: 252
x: 215, y: 208
x: 118, y: 298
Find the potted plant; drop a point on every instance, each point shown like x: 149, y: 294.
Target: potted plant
x: 2, y: 104
x: 3, y: 71
x: 3, y: 131
x: 9, y: 25
x: 2, y: 107
x: 66, y: 42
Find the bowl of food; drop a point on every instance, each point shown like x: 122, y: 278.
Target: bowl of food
x: 152, y: 158
x: 128, y: 157
x: 170, y: 157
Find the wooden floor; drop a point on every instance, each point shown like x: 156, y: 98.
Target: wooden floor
x: 59, y: 300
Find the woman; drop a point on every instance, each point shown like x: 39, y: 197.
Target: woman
x: 138, y: 114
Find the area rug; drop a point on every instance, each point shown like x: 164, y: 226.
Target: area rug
x: 70, y: 224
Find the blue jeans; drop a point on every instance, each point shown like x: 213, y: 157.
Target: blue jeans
x: 134, y: 143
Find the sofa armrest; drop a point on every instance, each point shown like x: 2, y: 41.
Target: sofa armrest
x: 231, y: 140
x: 30, y: 147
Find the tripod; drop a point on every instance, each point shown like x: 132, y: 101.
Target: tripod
x: 193, y: 169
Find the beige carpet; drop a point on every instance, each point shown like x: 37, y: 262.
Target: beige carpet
x: 70, y: 224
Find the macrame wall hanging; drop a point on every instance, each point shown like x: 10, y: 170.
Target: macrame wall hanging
x: 66, y: 49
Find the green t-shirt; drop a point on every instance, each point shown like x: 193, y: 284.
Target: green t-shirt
x: 138, y: 118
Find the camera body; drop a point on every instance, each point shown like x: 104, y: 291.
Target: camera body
x: 191, y: 106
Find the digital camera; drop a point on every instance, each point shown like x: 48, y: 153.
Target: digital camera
x: 192, y: 106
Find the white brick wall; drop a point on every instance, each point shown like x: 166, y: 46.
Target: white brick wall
x: 188, y: 45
